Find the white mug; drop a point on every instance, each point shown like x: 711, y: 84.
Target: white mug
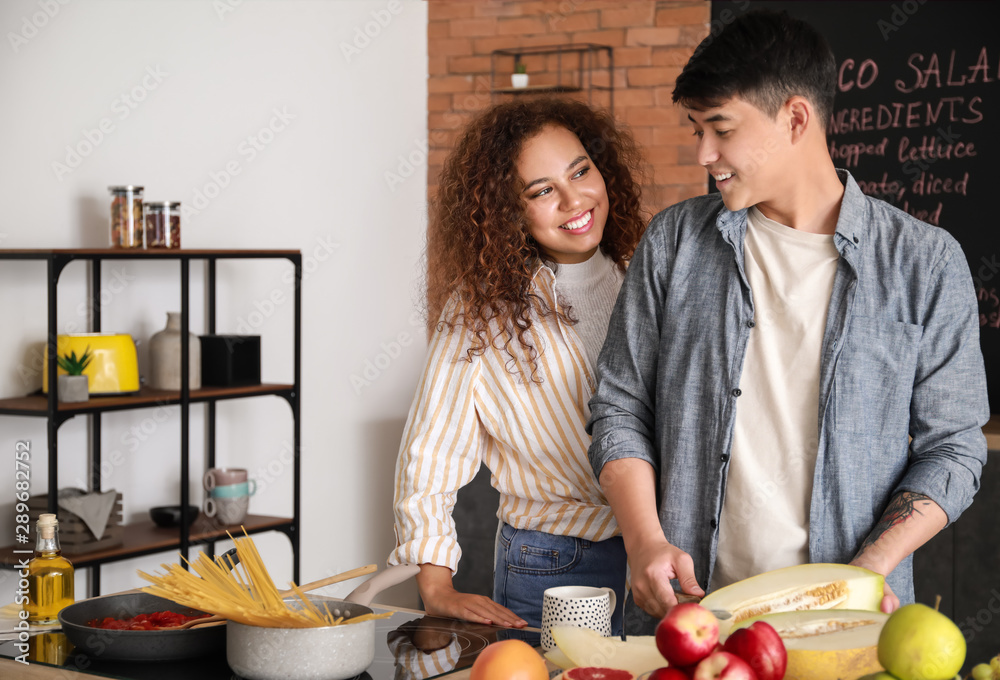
x: 580, y: 606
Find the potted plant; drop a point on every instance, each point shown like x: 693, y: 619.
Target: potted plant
x: 75, y: 386
x: 519, y: 78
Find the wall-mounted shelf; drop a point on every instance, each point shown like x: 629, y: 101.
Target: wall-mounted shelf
x: 573, y: 70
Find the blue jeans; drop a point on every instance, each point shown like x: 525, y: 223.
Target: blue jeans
x: 528, y: 562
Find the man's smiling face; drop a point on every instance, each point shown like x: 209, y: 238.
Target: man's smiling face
x: 745, y: 150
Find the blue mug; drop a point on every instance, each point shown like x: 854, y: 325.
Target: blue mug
x: 247, y: 488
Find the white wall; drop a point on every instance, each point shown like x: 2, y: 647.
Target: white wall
x: 204, y: 80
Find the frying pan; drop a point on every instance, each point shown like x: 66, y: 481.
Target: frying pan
x: 139, y: 645
x: 136, y: 645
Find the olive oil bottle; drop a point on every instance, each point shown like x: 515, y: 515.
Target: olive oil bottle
x: 50, y: 575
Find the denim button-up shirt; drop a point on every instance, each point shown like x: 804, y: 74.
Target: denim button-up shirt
x: 900, y: 360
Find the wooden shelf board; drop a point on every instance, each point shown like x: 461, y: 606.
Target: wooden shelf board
x: 140, y: 253
x: 144, y: 538
x: 535, y: 89
x: 36, y: 404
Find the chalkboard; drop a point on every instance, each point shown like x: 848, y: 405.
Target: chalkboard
x: 917, y: 120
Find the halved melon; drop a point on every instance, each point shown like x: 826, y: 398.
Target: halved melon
x: 558, y: 657
x: 806, y: 586
x: 827, y: 644
x: 586, y: 647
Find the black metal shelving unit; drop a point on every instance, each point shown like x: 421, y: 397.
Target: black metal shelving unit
x: 144, y: 538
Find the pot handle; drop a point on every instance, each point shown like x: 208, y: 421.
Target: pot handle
x: 229, y: 559
x: 366, y: 592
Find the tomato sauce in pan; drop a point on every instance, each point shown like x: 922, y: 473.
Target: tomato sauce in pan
x: 153, y: 621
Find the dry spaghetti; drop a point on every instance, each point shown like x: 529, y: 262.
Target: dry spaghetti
x: 244, y: 593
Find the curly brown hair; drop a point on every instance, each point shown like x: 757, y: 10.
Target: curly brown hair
x: 482, y: 253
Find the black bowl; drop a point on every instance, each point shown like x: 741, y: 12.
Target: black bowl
x: 170, y: 515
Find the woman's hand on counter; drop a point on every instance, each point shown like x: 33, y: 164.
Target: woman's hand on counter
x: 441, y: 599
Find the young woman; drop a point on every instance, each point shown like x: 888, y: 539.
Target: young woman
x: 537, y: 215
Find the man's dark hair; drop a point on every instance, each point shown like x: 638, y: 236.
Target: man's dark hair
x: 763, y: 57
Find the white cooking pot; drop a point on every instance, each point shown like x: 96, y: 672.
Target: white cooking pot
x: 326, y: 653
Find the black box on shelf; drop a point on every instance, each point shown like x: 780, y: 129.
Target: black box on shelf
x: 230, y: 360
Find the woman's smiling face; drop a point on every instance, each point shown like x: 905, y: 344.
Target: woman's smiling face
x: 566, y: 202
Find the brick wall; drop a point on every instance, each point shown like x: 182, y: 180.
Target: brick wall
x: 651, y: 40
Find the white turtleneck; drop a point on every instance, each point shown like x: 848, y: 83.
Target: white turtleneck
x: 591, y: 288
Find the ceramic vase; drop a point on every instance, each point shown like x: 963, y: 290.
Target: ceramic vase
x: 519, y: 80
x: 165, y: 357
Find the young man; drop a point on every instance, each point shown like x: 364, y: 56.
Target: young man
x: 776, y: 345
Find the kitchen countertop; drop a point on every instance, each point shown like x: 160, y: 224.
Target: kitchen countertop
x: 13, y: 669
x: 396, y: 651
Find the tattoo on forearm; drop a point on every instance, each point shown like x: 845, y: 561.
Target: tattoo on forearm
x: 902, y: 507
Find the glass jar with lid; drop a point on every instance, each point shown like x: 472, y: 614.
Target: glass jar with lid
x: 163, y: 224
x: 126, y: 216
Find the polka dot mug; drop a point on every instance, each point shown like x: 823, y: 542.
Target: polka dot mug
x: 580, y: 606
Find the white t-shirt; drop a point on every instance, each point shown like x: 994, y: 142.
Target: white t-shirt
x: 765, y: 514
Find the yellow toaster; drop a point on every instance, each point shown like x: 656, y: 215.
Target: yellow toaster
x: 114, y: 368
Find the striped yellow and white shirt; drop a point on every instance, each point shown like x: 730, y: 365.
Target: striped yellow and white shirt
x: 415, y: 664
x: 530, y: 435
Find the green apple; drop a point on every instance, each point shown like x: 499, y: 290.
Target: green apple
x: 920, y: 643
x: 881, y: 675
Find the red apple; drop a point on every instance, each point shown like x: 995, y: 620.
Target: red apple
x: 760, y: 646
x: 668, y: 674
x: 687, y: 634
x: 723, y: 666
